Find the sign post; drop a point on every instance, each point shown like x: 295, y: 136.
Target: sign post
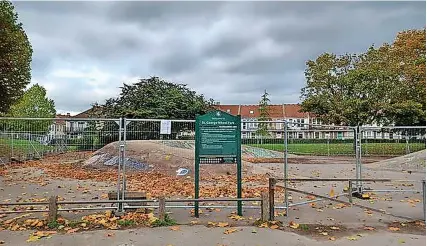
x: 218, y: 141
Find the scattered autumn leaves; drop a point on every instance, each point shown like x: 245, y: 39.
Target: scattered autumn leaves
x: 212, y: 186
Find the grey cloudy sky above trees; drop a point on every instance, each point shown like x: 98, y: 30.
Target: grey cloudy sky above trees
x: 230, y: 51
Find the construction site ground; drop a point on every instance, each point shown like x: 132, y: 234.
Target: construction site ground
x: 319, y: 223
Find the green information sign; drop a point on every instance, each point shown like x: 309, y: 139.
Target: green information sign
x: 218, y: 134
x: 218, y: 141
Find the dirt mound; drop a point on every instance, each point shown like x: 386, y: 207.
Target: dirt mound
x: 156, y: 155
x: 414, y: 162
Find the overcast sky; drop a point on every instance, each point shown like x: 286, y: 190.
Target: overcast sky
x: 230, y: 51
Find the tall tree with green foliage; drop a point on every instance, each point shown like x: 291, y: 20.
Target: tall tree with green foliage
x: 381, y: 85
x: 15, y: 57
x: 33, y: 104
x: 264, y: 115
x: 154, y: 98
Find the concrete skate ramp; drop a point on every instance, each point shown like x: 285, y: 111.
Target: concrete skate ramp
x: 166, y: 156
x: 414, y: 162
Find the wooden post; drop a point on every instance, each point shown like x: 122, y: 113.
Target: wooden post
x: 271, y: 187
x: 162, y: 208
x: 264, y: 206
x: 350, y: 191
x: 53, y: 208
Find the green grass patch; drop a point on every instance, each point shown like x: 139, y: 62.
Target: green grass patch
x: 20, y: 147
x: 126, y: 222
x: 53, y: 224
x: 304, y: 227
x: 368, y: 149
x: 168, y: 221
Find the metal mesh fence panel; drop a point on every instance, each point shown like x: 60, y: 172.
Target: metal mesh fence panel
x: 392, y: 141
x: 26, y: 139
x: 320, y: 140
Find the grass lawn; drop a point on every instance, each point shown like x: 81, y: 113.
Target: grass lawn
x: 345, y: 148
x: 21, y: 147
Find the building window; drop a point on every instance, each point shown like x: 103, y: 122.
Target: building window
x: 251, y: 112
x: 300, y: 135
x: 228, y: 111
x: 244, y: 126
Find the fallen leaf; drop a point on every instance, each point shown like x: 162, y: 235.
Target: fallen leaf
x: 368, y: 228
x: 33, y: 238
x: 293, y: 225
x: 274, y: 227
x: 73, y: 230
x: 108, y: 213
x: 331, y: 193
x: 401, y: 241
x: 352, y: 238
x: 332, y: 238
x: 174, y: 228
x: 230, y: 230
x: 222, y: 224
x: 254, y: 231
x: 334, y: 228
x: 44, y: 233
x: 210, y: 223
x: 323, y: 233
x: 263, y: 225
x: 194, y: 222
x: 391, y: 228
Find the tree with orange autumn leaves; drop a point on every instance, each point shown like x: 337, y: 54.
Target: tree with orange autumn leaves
x: 383, y: 85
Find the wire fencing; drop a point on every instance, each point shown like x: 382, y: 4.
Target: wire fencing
x: 25, y: 138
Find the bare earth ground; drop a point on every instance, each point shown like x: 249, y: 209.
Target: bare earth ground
x: 38, y: 181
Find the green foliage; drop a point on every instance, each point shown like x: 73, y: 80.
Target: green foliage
x: 377, y: 86
x: 15, y: 57
x: 33, y: 104
x: 264, y: 115
x: 168, y: 221
x: 126, y: 223
x: 156, y: 98
x: 53, y: 224
x: 304, y: 227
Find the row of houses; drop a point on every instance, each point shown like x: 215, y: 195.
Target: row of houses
x: 302, y: 125
x: 68, y: 126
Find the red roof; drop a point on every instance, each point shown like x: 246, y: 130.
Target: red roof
x: 87, y: 114
x: 62, y: 116
x: 275, y: 111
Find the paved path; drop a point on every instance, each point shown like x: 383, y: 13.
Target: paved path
x: 203, y: 236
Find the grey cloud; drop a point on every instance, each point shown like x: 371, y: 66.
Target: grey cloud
x: 155, y: 14
x: 211, y: 46
x: 228, y: 46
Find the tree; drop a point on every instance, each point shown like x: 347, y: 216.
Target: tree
x: 15, y: 57
x: 383, y: 85
x: 154, y: 98
x: 332, y: 94
x: 34, y: 104
x: 264, y: 115
x: 408, y: 57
